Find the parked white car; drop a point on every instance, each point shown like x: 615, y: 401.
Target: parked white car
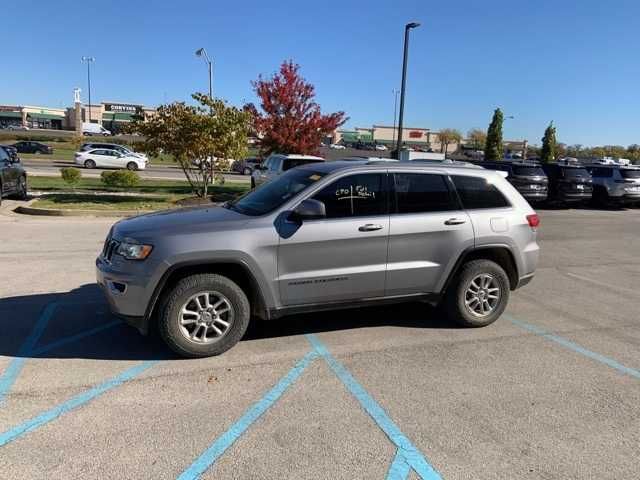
x: 381, y: 148
x: 337, y: 146
x: 104, y: 158
x: 94, y: 129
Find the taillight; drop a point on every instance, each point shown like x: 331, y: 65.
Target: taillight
x: 534, y: 221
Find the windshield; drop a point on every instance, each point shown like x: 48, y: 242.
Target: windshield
x: 528, y: 171
x: 629, y: 173
x: 271, y: 195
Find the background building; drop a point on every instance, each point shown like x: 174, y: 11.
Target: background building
x: 422, y: 138
x: 32, y: 117
x: 112, y: 115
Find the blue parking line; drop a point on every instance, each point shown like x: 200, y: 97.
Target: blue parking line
x: 211, y: 454
x: 412, y: 456
x: 10, y: 375
x: 75, y: 402
x: 72, y: 338
x: 575, y: 347
x: 399, y: 468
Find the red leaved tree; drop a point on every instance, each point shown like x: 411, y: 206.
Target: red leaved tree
x: 290, y: 121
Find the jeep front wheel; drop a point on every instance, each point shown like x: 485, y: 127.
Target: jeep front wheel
x: 204, y: 315
x: 479, y: 294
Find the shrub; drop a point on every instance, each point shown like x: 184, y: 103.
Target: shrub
x: 70, y: 175
x: 120, y: 178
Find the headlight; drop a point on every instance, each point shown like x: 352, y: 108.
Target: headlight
x: 134, y: 251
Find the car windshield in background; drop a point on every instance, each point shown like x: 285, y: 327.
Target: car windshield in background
x: 273, y: 194
x: 290, y: 163
x: 630, y: 173
x: 528, y: 171
x: 575, y: 172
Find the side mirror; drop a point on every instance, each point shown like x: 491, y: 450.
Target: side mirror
x: 309, y: 209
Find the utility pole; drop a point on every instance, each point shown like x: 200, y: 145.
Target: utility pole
x: 89, y: 61
x: 407, y: 27
x: 395, y: 113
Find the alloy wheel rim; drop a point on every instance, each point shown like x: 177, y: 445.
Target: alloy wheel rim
x: 206, y: 317
x: 482, y: 295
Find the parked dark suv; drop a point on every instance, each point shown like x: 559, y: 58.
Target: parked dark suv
x: 528, y: 178
x: 568, y: 183
x: 13, y: 178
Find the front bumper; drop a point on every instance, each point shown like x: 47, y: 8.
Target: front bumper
x: 128, y: 295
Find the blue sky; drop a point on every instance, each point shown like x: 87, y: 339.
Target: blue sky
x: 574, y: 62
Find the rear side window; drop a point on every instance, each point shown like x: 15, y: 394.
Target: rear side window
x: 422, y: 192
x: 628, y: 173
x: 290, y: 163
x: 476, y: 192
x: 355, y: 196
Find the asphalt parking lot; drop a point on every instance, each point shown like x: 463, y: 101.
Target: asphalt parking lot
x: 550, y: 391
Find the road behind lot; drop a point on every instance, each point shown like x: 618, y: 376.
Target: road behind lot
x: 52, y: 168
x: 551, y: 391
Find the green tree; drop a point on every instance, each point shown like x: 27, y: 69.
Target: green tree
x: 494, y: 148
x: 477, y: 138
x: 548, y: 153
x: 447, y: 136
x: 202, y: 139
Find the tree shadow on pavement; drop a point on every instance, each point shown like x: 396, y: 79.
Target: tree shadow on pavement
x: 85, y: 310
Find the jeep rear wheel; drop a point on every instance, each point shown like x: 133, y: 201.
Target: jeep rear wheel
x: 204, y: 315
x: 479, y: 294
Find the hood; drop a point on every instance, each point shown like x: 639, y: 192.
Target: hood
x: 178, y: 221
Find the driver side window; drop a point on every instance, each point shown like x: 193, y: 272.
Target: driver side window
x: 359, y: 195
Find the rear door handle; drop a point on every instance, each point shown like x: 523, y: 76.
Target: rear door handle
x: 370, y: 227
x: 454, y: 221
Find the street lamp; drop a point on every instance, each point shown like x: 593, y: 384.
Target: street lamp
x: 407, y: 27
x: 395, y: 92
x: 89, y: 61
x: 202, y: 53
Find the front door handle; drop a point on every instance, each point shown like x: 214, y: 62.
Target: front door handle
x: 454, y: 221
x: 370, y: 227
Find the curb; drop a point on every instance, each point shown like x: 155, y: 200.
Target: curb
x: 79, y: 213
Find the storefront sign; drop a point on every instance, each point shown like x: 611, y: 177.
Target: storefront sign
x: 415, y: 134
x: 121, y: 108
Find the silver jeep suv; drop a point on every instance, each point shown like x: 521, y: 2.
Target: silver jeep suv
x: 319, y: 237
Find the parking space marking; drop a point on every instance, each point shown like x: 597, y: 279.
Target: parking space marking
x: 399, y: 468
x: 75, y: 402
x: 72, y: 338
x: 406, y: 450
x: 215, y: 451
x: 10, y: 375
x: 575, y: 347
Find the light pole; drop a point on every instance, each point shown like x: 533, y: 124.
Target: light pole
x: 407, y: 27
x: 89, y: 61
x: 395, y: 92
x: 202, y: 53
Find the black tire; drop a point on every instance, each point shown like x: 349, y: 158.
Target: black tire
x: 89, y: 164
x: 132, y: 166
x: 456, y: 295
x: 247, y: 171
x: 21, y: 193
x: 169, y: 320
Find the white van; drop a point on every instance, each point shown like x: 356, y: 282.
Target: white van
x: 94, y: 129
